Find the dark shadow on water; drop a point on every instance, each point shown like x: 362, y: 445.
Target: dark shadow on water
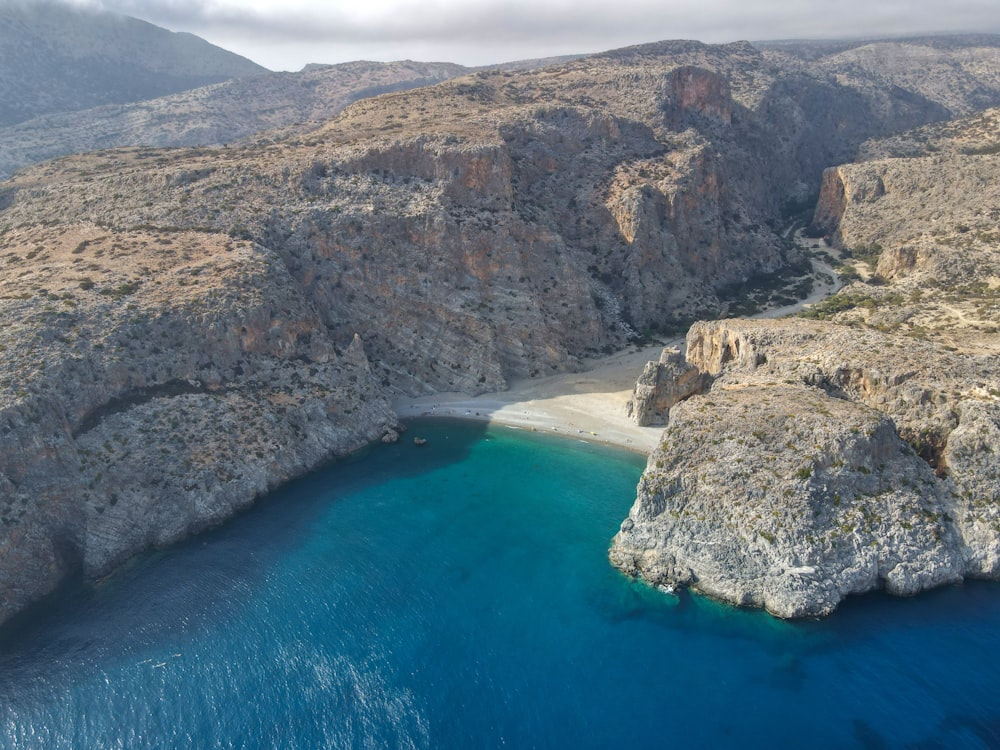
x: 959, y: 729
x: 863, y: 616
x: 859, y: 619
x: 206, y: 578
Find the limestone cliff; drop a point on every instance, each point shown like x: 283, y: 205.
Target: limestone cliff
x: 661, y: 385
x: 918, y: 217
x: 186, y: 328
x: 153, y: 385
x: 823, y: 461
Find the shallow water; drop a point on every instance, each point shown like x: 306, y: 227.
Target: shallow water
x: 459, y: 595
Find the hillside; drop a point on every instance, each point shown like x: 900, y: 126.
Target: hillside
x: 916, y: 219
x: 819, y: 458
x: 57, y: 58
x: 218, y: 114
x: 164, y: 310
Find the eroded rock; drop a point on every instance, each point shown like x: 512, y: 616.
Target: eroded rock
x: 823, y: 461
x: 777, y: 496
x: 661, y: 385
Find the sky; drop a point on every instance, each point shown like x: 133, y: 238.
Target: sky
x: 287, y: 34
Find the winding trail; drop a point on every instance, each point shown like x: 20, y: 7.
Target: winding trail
x: 587, y: 405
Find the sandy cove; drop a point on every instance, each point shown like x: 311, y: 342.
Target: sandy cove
x: 587, y: 405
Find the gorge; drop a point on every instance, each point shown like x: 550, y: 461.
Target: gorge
x: 185, y: 329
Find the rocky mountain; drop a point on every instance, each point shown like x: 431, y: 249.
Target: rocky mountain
x: 58, y: 58
x: 225, y: 318
x: 859, y: 450
x: 218, y: 114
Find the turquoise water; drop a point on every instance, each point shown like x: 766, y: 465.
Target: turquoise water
x: 458, y: 595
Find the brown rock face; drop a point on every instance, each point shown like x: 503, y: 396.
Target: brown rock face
x: 700, y: 91
x: 661, y: 385
x: 843, y: 186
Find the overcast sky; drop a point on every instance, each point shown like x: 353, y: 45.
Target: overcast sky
x: 287, y: 34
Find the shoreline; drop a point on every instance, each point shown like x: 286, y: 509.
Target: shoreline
x: 587, y: 405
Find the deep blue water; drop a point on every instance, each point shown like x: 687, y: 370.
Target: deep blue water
x: 458, y: 595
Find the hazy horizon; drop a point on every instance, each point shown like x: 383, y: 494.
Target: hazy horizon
x: 291, y: 34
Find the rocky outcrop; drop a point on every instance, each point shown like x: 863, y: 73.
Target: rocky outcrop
x: 919, y: 384
x: 661, y: 385
x: 184, y: 329
x: 822, y: 462
x: 755, y: 500
x: 156, y: 395
x: 918, y: 216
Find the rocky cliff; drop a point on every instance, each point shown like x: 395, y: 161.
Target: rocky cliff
x: 58, y: 57
x: 822, y: 461
x: 920, y: 212
x: 154, y: 384
x: 187, y: 328
x: 661, y: 385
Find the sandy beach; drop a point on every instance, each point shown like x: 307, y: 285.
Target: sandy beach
x: 587, y: 405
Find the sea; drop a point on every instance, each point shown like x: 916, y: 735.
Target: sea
x: 459, y: 595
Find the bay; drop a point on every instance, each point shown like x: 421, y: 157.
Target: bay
x: 459, y: 595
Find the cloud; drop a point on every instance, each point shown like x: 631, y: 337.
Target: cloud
x: 493, y: 20
x: 542, y: 27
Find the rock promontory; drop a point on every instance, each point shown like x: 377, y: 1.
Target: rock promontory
x: 822, y: 461
x: 661, y: 385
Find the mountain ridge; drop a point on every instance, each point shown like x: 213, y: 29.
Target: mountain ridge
x: 55, y: 58
x: 496, y: 225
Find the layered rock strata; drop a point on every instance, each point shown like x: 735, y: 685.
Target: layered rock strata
x: 821, y: 462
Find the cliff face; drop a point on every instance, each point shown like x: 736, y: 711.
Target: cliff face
x: 468, y: 232
x: 857, y: 456
x: 188, y: 328
x: 822, y: 462
x: 921, y: 212
x: 661, y: 385
x: 147, y: 395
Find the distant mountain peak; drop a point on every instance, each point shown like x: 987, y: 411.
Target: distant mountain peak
x: 56, y: 57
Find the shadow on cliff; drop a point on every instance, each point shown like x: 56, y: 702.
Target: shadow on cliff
x: 176, y: 592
